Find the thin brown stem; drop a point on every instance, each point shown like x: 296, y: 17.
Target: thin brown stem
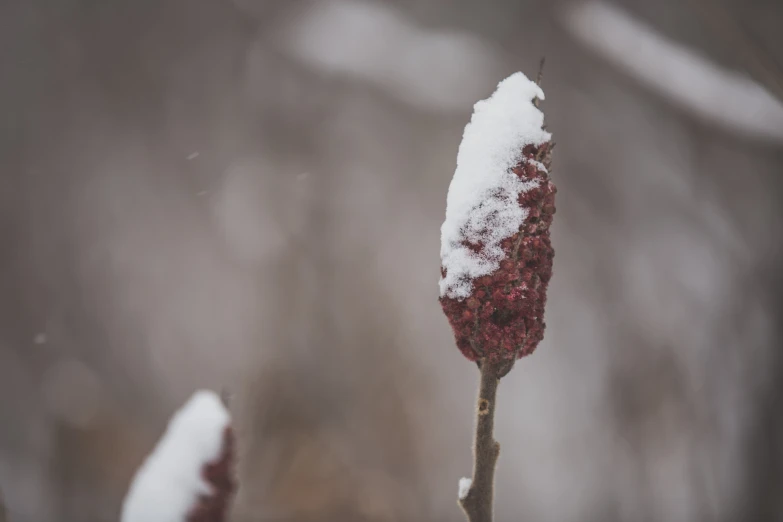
x: 477, y: 504
x: 3, y: 516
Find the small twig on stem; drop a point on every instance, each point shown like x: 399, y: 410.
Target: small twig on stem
x: 540, y: 70
x: 477, y: 503
x: 540, y: 76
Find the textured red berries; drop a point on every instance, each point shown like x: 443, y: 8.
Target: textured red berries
x: 503, y: 317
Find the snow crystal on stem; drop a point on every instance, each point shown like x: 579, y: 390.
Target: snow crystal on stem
x: 482, y: 205
x: 464, y: 487
x: 170, y: 482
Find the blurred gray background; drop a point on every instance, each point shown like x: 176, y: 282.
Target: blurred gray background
x: 247, y: 195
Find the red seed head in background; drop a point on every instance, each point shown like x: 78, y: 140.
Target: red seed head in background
x: 219, y: 475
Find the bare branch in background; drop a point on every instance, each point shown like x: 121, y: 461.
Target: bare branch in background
x: 757, y: 60
x: 677, y: 73
x: 376, y: 44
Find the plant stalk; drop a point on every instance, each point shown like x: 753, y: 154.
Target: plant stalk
x: 477, y: 504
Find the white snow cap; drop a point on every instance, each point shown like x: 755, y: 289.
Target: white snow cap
x: 169, y: 482
x: 464, y: 487
x: 482, y: 201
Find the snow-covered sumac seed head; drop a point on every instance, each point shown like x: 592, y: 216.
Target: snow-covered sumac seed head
x: 497, y: 312
x: 512, y: 299
x: 219, y: 475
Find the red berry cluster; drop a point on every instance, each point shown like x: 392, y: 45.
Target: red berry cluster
x: 219, y: 476
x: 503, y: 317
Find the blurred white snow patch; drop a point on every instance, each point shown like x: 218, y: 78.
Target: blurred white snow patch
x: 482, y: 200
x: 434, y: 70
x: 721, y: 96
x: 71, y: 392
x: 464, y: 487
x: 169, y: 482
